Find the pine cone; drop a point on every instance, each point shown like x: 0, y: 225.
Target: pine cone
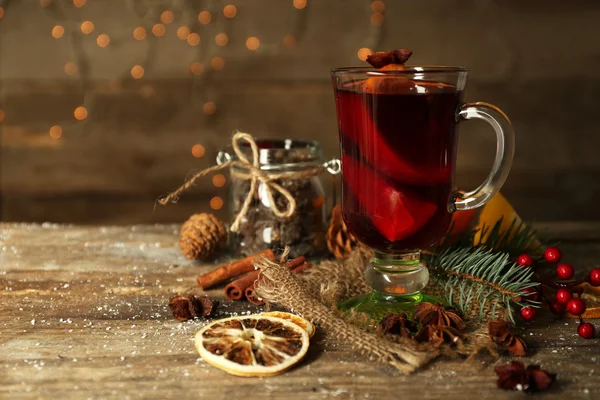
x: 339, y: 241
x: 202, y: 236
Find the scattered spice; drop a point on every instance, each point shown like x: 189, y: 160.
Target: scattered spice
x: 515, y: 376
x: 435, y: 314
x: 438, y: 335
x: 397, y: 324
x: 185, y: 308
x: 226, y: 272
x: 501, y: 333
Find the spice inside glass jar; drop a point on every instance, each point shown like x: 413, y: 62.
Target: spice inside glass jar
x: 261, y: 229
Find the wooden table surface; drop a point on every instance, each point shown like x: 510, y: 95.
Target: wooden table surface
x: 83, y: 314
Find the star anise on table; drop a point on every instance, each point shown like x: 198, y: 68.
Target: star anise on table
x: 396, y: 324
x: 435, y: 314
x: 189, y: 307
x: 515, y: 376
x: 438, y: 335
x: 501, y: 333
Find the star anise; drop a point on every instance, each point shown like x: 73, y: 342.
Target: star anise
x: 438, y: 335
x: 501, y: 333
x: 189, y: 307
x: 396, y: 324
x: 515, y: 376
x: 435, y: 314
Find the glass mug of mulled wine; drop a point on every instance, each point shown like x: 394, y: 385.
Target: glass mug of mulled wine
x: 398, y: 130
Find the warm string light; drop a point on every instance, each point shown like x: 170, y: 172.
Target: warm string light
x: 103, y: 40
x: 71, y: 68
x: 209, y: 108
x: 204, y: 17
x: 45, y: 3
x: 378, y: 6
x: 183, y: 32
x: 299, y: 4
x: 193, y: 39
x: 196, y: 68
x: 197, y: 150
x: 230, y: 11
x: 217, y: 63
x: 55, y: 132
x: 289, y: 41
x: 58, y: 31
x: 252, y: 43
x: 167, y: 17
x: 79, y: 3
x: 80, y: 113
x: 216, y: 203
x: 139, y: 33
x: 377, y: 19
x: 219, y: 180
x: 158, y: 30
x: 363, y: 53
x: 87, y: 27
x: 221, y: 39
x: 137, y: 72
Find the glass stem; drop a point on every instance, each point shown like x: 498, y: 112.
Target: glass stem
x: 397, y: 274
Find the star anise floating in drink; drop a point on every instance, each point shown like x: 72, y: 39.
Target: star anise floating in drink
x: 515, y: 376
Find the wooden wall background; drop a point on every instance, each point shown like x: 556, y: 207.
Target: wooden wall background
x: 539, y: 60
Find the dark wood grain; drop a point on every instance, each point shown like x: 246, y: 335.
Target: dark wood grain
x: 83, y: 314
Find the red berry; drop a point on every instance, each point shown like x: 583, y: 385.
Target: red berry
x: 564, y: 271
x: 531, y: 294
x: 525, y: 260
x: 595, y: 277
x: 557, y: 307
x: 576, y: 306
x: 552, y: 254
x: 563, y: 296
x: 528, y: 313
x: 586, y: 330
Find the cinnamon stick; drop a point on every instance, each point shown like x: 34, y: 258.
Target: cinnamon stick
x: 251, y: 296
x: 231, y: 270
x: 236, y: 289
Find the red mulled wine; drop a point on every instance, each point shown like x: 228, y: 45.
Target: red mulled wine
x: 398, y: 157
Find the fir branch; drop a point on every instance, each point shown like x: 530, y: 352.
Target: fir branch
x: 481, y: 274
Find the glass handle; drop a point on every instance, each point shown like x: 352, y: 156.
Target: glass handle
x: 505, y: 149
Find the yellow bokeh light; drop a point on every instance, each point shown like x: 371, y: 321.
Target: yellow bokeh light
x: 2, y: 115
x: 377, y: 6
x: 252, y: 43
x: 197, y: 150
x: 289, y: 41
x: 217, y: 63
x: 221, y: 39
x: 139, y: 33
x: 204, y: 17
x: 87, y: 27
x: 158, y: 30
x: 58, y: 31
x: 80, y: 113
x: 103, y: 40
x: 79, y: 3
x: 71, y: 68
x: 216, y: 203
x: 209, y: 108
x: 183, y: 32
x: 193, y: 39
x: 363, y: 53
x: 137, y: 72
x: 55, y: 132
x: 196, y: 68
x: 377, y: 19
x: 167, y: 17
x: 219, y: 180
x: 230, y: 11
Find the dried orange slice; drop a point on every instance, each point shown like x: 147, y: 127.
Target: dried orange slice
x: 252, y: 345
x: 298, y: 320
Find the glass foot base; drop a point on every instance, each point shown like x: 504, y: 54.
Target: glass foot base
x: 378, y: 304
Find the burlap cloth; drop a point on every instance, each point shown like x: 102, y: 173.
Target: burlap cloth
x: 316, y: 293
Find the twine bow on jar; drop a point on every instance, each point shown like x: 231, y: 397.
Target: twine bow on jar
x: 253, y: 173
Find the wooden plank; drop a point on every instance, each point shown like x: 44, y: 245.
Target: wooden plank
x: 83, y: 314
